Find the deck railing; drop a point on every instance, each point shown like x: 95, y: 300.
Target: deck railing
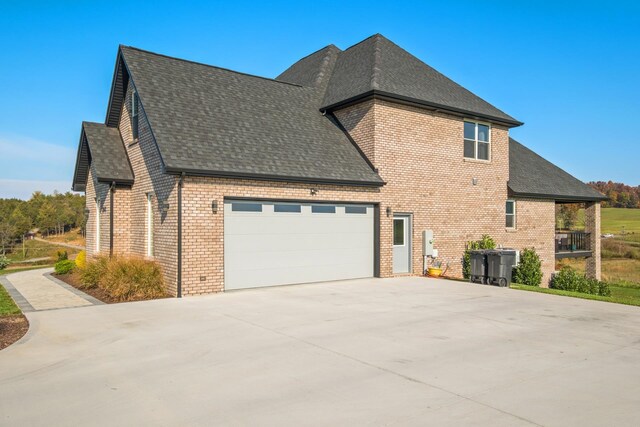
x: 573, y: 241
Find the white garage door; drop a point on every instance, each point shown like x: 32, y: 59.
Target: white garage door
x: 272, y: 243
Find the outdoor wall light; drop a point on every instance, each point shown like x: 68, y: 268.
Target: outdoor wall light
x: 214, y: 206
x: 164, y: 207
x: 314, y: 191
x: 388, y: 210
x: 87, y: 211
x: 474, y: 181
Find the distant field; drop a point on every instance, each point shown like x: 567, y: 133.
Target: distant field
x: 620, y: 255
x: 615, y: 220
x: 613, y: 269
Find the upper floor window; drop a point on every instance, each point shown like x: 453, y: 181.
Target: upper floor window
x: 477, y: 141
x: 511, y: 214
x: 134, y: 115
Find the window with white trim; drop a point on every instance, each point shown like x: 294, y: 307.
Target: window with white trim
x: 149, y: 224
x: 477, y: 141
x: 97, y: 225
x: 510, y: 219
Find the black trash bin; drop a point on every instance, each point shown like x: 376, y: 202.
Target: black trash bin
x: 478, y: 266
x: 500, y: 265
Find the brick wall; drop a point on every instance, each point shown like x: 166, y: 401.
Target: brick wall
x: 100, y: 191
x: 203, y: 230
x: 149, y: 178
x: 419, y: 153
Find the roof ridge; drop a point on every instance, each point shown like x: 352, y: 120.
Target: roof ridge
x: 376, y: 72
x: 209, y: 65
x: 316, y: 51
x: 376, y: 35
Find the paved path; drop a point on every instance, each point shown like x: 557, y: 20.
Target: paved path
x: 395, y: 352
x: 66, y: 245
x: 36, y: 290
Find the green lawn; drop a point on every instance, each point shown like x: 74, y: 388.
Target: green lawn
x: 615, y: 220
x: 34, y: 249
x: 629, y: 295
x: 7, y: 306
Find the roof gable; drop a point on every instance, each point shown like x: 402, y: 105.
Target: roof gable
x: 530, y: 175
x: 213, y: 121
x: 101, y: 148
x: 377, y: 66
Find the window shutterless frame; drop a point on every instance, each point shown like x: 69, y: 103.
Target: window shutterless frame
x: 477, y: 140
x: 510, y: 214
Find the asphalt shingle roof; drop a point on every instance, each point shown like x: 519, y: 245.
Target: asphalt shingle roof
x: 215, y: 121
x: 378, y: 65
x: 532, y: 176
x: 103, y: 148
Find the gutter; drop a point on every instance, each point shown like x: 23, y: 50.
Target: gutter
x: 387, y: 96
x: 557, y: 197
x: 179, y: 278
x: 279, y: 178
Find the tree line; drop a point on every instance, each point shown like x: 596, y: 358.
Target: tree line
x: 619, y: 194
x: 54, y: 213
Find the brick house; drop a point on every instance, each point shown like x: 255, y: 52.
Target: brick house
x: 330, y: 171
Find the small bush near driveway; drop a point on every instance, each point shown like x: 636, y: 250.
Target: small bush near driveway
x: 570, y: 280
x: 94, y: 270
x: 529, y: 271
x: 64, y: 266
x: 81, y: 260
x: 125, y: 278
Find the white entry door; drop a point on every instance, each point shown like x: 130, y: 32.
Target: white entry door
x: 281, y: 243
x: 401, y: 243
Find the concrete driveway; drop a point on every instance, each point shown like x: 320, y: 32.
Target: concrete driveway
x: 403, y: 351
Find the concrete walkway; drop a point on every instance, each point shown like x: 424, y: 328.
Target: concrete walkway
x: 36, y: 290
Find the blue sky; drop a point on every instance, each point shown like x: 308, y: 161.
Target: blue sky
x: 569, y: 70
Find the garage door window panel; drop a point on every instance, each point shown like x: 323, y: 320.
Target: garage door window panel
x: 246, y: 207
x: 287, y: 208
x: 327, y: 209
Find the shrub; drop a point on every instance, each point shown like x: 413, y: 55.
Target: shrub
x: 127, y: 279
x: 81, y: 260
x: 63, y: 256
x: 529, y: 271
x: 486, y: 242
x: 64, y: 266
x: 93, y: 272
x: 568, y: 279
x: 4, y: 262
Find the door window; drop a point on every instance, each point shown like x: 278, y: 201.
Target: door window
x: 398, y: 231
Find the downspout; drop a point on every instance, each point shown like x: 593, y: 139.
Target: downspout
x: 180, y: 185
x: 112, y: 190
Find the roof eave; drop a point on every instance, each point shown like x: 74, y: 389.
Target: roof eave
x: 558, y: 197
x: 265, y: 177
x: 74, y: 183
x: 387, y: 96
